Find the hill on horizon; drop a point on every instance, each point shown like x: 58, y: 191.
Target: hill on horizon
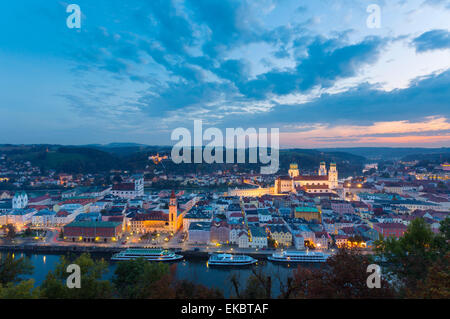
x: 92, y: 159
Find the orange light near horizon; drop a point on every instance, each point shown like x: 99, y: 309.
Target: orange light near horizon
x: 356, y: 135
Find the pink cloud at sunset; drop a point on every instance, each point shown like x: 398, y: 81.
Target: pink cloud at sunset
x: 432, y: 132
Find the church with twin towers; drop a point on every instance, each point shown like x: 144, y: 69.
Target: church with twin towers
x: 324, y: 182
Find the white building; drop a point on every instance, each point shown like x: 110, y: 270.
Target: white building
x: 20, y: 200
x: 20, y: 217
x: 43, y: 218
x: 130, y: 189
x: 257, y: 238
x: 299, y: 242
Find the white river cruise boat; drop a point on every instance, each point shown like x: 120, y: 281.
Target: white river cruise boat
x: 230, y: 260
x: 299, y: 256
x: 147, y: 254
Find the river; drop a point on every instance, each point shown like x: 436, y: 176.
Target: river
x: 194, y: 269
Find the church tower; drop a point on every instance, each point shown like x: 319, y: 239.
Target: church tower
x: 293, y: 170
x: 322, y: 169
x: 20, y: 200
x: 333, y: 176
x: 173, y: 213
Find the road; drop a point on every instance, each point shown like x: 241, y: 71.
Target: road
x: 52, y: 239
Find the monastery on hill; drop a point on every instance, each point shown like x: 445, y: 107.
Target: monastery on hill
x: 324, y: 182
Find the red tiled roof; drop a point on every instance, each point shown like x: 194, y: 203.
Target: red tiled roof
x: 39, y: 199
x: 311, y: 178
x: 39, y: 207
x: 81, y: 201
x: 315, y: 186
x: 156, y: 215
x: 62, y: 213
x: 123, y: 187
x: 390, y: 225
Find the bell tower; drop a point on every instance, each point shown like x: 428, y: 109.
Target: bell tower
x: 173, y: 216
x: 333, y: 176
x: 322, y: 169
x: 293, y: 170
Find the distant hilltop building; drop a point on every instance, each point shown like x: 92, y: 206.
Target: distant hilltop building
x: 157, y: 158
x: 445, y: 166
x: 326, y: 181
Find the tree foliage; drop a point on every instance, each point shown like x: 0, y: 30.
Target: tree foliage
x: 10, y: 231
x: 92, y: 285
x: 345, y: 276
x: 409, y: 258
x: 135, y: 278
x: 23, y: 290
x: 258, y: 286
x: 11, y: 269
x: 169, y: 287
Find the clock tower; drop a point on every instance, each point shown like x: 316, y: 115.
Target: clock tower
x: 173, y: 213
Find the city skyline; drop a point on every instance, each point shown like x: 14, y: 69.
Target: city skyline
x: 317, y: 71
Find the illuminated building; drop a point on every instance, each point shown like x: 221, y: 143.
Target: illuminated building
x: 321, y: 183
x: 293, y: 170
x: 88, y: 231
x: 308, y: 213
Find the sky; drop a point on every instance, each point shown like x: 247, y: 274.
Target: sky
x: 319, y: 71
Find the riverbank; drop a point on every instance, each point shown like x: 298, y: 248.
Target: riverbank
x: 190, y: 253
x: 104, y: 250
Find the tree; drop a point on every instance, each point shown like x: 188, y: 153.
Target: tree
x: 117, y: 179
x: 12, y: 269
x: 258, y: 286
x: 409, y: 257
x: 92, y: 287
x: 28, y: 232
x: 168, y: 287
x: 271, y: 243
x: 445, y: 228
x: 23, y: 290
x: 11, y: 231
x: 437, y: 282
x: 134, y: 278
x: 11, y: 284
x: 185, y: 289
x: 345, y: 276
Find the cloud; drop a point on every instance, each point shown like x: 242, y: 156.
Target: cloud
x: 269, y: 63
x: 438, y: 3
x: 432, y: 40
x: 430, y: 130
x: 365, y: 104
x: 326, y: 61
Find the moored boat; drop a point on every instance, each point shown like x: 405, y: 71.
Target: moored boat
x: 230, y: 260
x: 299, y: 256
x: 147, y: 254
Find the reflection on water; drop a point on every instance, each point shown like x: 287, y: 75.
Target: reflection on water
x: 196, y: 270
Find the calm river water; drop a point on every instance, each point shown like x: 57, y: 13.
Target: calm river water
x: 192, y: 269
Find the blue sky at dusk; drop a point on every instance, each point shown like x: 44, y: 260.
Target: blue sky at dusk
x: 136, y: 70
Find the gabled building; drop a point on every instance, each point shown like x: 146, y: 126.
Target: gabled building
x: 281, y: 235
